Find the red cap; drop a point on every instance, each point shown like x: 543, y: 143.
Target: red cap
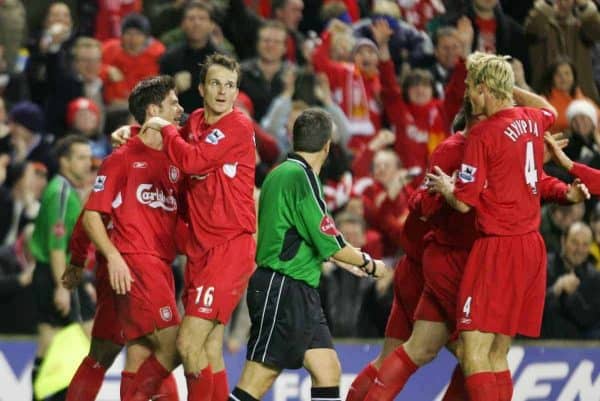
x: 81, y: 103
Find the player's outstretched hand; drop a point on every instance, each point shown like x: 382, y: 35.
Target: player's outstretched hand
x: 577, y: 192
x: 120, y: 136
x: 119, y: 274
x: 553, y: 149
x: 72, y: 276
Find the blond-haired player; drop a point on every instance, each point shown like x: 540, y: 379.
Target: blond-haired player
x: 503, y: 286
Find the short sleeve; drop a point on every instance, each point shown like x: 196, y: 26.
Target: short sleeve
x: 313, y: 217
x: 547, y: 118
x: 472, y: 173
x: 110, y: 181
x: 57, y: 237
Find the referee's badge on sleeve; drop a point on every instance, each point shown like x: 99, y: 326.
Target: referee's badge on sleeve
x: 328, y: 226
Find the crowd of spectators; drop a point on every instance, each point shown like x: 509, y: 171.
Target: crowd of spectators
x: 390, y: 72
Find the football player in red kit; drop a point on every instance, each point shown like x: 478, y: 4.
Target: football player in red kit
x: 588, y: 175
x: 139, y: 191
x: 503, y: 286
x: 216, y: 148
x: 446, y: 252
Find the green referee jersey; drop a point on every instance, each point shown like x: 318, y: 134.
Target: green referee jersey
x: 59, y: 209
x: 295, y: 232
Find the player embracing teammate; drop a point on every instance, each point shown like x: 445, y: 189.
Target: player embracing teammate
x: 214, y: 154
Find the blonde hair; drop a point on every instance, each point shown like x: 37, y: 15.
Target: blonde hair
x: 493, y: 71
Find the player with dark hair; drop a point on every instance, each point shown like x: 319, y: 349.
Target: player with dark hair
x: 138, y: 191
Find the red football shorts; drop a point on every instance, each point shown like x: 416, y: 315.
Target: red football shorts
x: 150, y: 305
x: 215, y: 282
x: 106, y: 321
x: 408, y: 284
x: 504, y: 286
x: 442, y: 270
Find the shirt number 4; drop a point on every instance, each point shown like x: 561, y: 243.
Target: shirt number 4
x: 208, y: 298
x: 531, y: 174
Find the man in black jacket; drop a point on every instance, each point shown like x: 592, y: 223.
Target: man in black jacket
x: 572, y: 307
x: 183, y: 61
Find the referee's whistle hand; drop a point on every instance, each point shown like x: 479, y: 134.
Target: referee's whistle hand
x: 380, y: 268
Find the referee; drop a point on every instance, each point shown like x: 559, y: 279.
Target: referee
x: 295, y: 236
x: 60, y: 206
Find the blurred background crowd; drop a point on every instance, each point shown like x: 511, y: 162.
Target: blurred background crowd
x: 68, y: 67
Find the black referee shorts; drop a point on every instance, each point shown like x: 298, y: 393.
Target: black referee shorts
x: 287, y: 320
x: 43, y: 289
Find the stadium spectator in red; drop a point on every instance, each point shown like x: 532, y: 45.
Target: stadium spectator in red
x: 421, y: 121
x: 83, y: 117
x: 110, y: 15
x: 130, y: 58
x: 355, y: 86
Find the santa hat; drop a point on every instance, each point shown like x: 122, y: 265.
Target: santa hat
x: 364, y: 42
x: 81, y: 103
x: 585, y: 107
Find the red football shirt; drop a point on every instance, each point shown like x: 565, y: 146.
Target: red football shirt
x: 589, y: 176
x: 449, y: 226
x: 220, y: 159
x: 141, y: 190
x: 501, y: 170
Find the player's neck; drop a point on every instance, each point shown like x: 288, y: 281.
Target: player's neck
x: 494, y: 105
x: 152, y: 139
x: 210, y: 117
x: 314, y: 160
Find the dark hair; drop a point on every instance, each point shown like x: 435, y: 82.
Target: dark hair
x: 312, y: 130
x: 149, y: 91
x: 223, y: 60
x: 14, y: 173
x: 200, y: 5
x: 277, y: 4
x: 416, y: 77
x: 62, y: 147
x: 547, y: 82
x: 463, y: 117
x: 443, y: 32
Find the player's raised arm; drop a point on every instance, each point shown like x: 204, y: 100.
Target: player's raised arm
x: 530, y: 99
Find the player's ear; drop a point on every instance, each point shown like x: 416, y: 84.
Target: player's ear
x: 152, y: 110
x: 201, y: 89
